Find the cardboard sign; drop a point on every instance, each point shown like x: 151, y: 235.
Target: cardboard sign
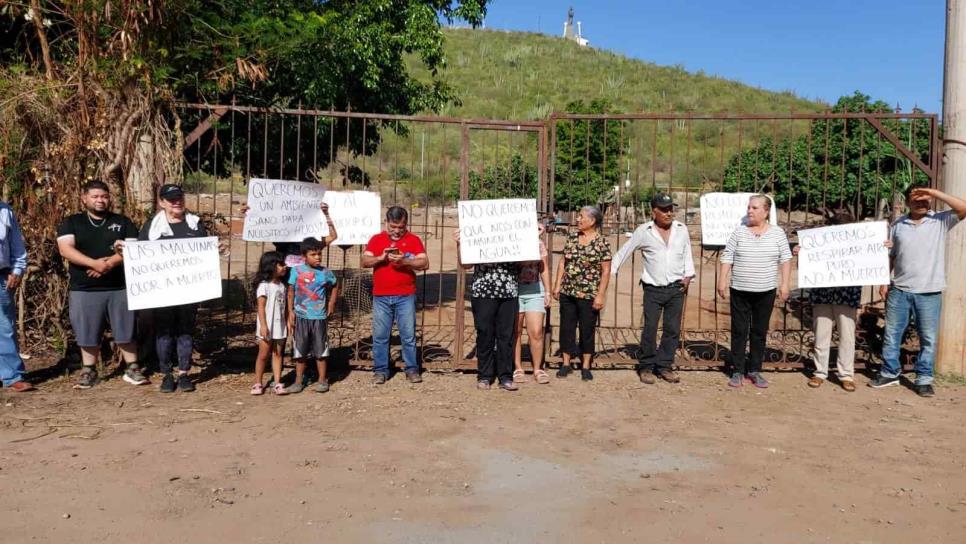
x: 284, y: 211
x: 171, y: 272
x: 356, y: 215
x: 721, y: 213
x: 843, y: 255
x: 497, y: 231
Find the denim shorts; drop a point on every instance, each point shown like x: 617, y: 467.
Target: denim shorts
x: 531, y: 298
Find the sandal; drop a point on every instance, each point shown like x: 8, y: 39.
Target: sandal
x: 519, y: 376
x: 279, y: 389
x: 257, y: 389
x: 541, y: 376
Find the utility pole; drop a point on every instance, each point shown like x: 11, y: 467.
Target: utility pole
x: 951, y: 356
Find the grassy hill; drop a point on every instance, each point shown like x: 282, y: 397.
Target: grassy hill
x: 518, y: 75
x: 527, y: 76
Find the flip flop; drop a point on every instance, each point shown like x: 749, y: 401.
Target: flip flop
x: 541, y: 376
x: 257, y: 389
x: 519, y: 376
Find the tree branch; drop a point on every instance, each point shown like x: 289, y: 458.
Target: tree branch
x: 38, y: 19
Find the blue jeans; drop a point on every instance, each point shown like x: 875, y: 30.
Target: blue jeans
x: 11, y: 365
x: 385, y: 310
x: 899, y: 306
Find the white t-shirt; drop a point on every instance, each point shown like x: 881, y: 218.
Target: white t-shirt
x: 274, y: 294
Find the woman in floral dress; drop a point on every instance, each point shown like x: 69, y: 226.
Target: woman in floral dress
x: 580, y: 285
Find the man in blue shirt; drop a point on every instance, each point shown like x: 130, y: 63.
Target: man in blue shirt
x: 918, y: 259
x: 13, y: 263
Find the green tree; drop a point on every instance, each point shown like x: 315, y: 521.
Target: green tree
x: 839, y: 163
x: 588, y: 157
x: 90, y: 90
x: 516, y: 179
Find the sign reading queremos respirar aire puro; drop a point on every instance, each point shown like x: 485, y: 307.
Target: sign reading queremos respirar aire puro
x: 843, y: 255
x: 165, y: 273
x: 494, y: 231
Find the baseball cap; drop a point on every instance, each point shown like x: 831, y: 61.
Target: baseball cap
x: 662, y: 200
x: 170, y: 192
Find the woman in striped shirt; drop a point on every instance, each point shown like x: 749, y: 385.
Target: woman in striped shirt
x: 751, y: 259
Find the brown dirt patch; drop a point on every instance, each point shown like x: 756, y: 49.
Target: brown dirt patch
x: 608, y: 461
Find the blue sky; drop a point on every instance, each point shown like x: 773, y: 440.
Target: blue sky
x: 819, y: 49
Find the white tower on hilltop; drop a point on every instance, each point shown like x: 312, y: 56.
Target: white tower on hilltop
x: 570, y: 33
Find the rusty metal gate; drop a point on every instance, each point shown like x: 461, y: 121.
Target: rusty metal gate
x: 809, y: 162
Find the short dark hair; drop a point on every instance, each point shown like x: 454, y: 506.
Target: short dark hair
x: 95, y: 184
x: 908, y: 192
x: 311, y: 244
x: 396, y: 214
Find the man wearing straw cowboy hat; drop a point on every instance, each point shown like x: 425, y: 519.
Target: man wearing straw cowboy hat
x: 665, y: 246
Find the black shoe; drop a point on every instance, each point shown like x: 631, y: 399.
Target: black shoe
x: 185, y: 384
x: 586, y: 375
x: 879, y: 382
x: 925, y: 390
x: 167, y: 384
x: 564, y: 371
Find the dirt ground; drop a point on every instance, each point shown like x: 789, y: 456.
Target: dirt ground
x: 611, y: 460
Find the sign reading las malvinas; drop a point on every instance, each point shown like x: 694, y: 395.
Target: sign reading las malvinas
x: 165, y: 273
x: 493, y: 231
x: 842, y: 255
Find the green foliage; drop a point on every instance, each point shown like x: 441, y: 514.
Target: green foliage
x: 840, y: 163
x: 337, y: 53
x: 516, y: 179
x: 588, y: 156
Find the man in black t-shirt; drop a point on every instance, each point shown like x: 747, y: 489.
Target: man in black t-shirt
x: 174, y: 326
x: 89, y: 241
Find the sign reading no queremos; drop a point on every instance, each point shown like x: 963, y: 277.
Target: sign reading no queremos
x: 721, y: 213
x: 843, y: 255
x: 171, y: 272
x: 284, y: 211
x: 495, y: 231
x: 355, y: 214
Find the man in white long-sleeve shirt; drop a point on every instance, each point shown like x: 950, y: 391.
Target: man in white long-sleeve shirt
x: 668, y: 269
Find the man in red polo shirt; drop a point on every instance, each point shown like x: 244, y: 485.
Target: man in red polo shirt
x: 395, y: 256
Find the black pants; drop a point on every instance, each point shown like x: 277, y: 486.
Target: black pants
x: 173, y: 328
x: 749, y: 311
x: 495, y: 320
x: 577, y: 312
x: 668, y: 300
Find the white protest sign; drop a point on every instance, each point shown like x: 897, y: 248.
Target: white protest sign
x: 171, y: 272
x: 721, y: 213
x: 356, y: 216
x: 495, y: 231
x: 843, y: 255
x: 284, y: 211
